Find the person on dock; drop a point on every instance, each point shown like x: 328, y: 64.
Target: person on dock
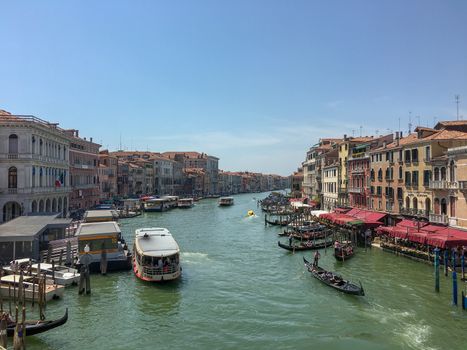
x: 290, y: 240
x: 316, y: 259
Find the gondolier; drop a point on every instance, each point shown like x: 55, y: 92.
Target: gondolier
x: 317, y: 255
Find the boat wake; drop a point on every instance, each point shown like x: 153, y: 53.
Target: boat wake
x: 194, y: 257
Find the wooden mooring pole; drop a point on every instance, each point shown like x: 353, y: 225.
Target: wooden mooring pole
x: 436, y: 269
x: 454, y: 279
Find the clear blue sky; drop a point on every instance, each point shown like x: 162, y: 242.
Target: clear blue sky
x: 253, y: 82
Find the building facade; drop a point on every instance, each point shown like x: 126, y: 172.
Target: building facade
x: 34, y: 163
x: 84, y: 159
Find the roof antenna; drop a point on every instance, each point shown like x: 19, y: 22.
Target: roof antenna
x: 457, y: 98
x: 410, y: 122
x: 353, y: 132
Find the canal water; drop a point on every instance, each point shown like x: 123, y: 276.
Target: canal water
x: 240, y: 290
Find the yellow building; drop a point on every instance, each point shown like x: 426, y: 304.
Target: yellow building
x: 422, y: 160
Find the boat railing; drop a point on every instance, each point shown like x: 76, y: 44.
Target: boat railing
x: 160, y: 270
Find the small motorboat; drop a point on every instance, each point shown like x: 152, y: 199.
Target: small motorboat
x: 307, y: 245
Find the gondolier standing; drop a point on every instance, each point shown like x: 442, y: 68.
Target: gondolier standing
x: 316, y: 258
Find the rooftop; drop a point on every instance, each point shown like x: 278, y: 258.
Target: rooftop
x: 97, y: 228
x: 25, y: 228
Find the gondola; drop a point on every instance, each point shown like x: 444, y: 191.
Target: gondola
x: 36, y: 327
x: 277, y: 222
x: 344, y: 252
x: 308, y: 245
x: 333, y: 280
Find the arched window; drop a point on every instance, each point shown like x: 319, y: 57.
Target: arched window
x: 33, y: 145
x: 34, y: 207
x: 40, y: 146
x: 436, y: 174
x: 372, y: 175
x: 13, y: 144
x: 443, y: 173
x: 427, y: 205
x: 444, y: 208
x: 400, y: 172
x: 12, y: 177
x: 380, y: 174
x: 452, y: 175
x: 387, y: 174
x: 436, y: 207
x: 415, y: 203
x: 407, y: 203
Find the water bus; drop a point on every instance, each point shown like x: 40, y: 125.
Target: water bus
x: 156, y: 255
x: 226, y: 201
x: 185, y: 203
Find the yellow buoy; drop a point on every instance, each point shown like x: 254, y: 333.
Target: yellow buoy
x: 251, y: 213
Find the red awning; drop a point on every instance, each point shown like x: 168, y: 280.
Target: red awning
x: 417, y: 237
x: 341, y: 210
x: 411, y: 223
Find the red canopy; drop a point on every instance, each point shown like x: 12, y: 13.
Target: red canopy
x: 418, y: 237
x: 411, y: 223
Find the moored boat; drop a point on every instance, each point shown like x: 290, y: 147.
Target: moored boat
x: 37, y: 326
x: 308, y: 245
x: 334, y: 281
x: 56, y: 274
x: 226, y: 201
x: 156, y: 255
x: 343, y: 251
x: 10, y: 287
x: 102, y: 246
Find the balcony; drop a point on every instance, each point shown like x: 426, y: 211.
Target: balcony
x: 444, y: 185
x: 355, y: 190
x: 35, y: 190
x: 439, y: 219
x: 359, y: 170
x: 462, y: 185
x: 30, y: 156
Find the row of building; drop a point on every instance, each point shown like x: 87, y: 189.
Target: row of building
x: 422, y: 175
x: 47, y: 169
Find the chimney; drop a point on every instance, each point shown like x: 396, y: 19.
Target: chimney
x: 345, y: 137
x: 384, y: 144
x: 90, y: 139
x: 400, y: 134
x: 77, y: 133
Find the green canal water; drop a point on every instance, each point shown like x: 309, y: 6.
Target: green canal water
x: 239, y: 290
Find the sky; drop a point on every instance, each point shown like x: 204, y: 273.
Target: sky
x: 255, y: 83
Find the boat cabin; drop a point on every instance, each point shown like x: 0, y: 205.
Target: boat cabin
x: 100, y: 216
x: 185, y: 202
x: 226, y: 201
x: 98, y: 236
x: 156, y: 255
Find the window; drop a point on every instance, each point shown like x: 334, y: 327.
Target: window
x: 378, y: 190
x: 415, y: 178
x: 12, y: 177
x: 380, y: 175
x: 426, y: 177
x: 400, y: 172
x: 372, y: 175
x: 399, y: 193
x: 13, y: 144
x: 415, y: 155
x: 407, y: 156
x: 452, y: 175
x: 427, y: 154
x: 408, y: 178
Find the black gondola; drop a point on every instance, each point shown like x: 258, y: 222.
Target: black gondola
x: 333, y: 280
x: 36, y: 327
x: 344, y: 252
x: 277, y: 222
x: 308, y: 245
